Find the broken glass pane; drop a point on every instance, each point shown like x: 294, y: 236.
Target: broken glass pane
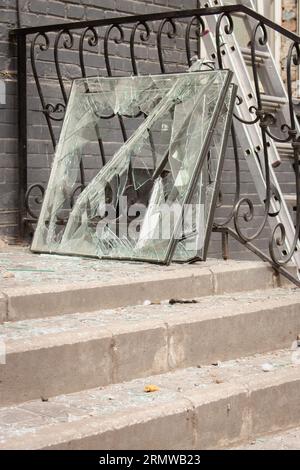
x: 198, y: 215
x: 135, y: 205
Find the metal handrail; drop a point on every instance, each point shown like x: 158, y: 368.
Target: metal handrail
x: 230, y: 9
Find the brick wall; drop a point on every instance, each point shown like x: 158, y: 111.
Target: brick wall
x: 40, y: 150
x: 289, y: 21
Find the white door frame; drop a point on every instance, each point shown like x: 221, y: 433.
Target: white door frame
x: 277, y: 39
x: 260, y: 6
x: 277, y: 18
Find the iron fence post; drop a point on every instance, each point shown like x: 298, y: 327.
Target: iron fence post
x: 22, y: 130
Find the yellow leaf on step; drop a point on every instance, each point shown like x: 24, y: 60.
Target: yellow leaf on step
x: 151, y: 389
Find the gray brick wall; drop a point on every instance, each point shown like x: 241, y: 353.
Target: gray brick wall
x: 40, y: 151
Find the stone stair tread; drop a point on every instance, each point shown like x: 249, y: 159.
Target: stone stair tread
x: 36, y: 332
x: 33, y: 270
x: 287, y: 440
x: 66, y: 421
x: 111, y: 285
x: 73, y: 352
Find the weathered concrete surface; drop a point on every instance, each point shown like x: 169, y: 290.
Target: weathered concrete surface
x: 229, y: 279
x: 196, y: 408
x: 288, y: 440
x: 85, y: 326
x: 3, y: 308
x: 48, y: 300
x: 21, y: 268
x: 43, y: 285
x: 64, y: 354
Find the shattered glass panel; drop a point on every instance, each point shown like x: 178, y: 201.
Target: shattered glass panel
x: 133, y: 205
x: 198, y: 216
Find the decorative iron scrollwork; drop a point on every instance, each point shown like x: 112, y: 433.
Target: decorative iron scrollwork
x: 93, y: 40
x: 144, y: 37
x: 38, y: 200
x: 171, y: 33
x: 198, y: 23
x: 52, y: 111
x: 68, y: 42
x: 118, y: 39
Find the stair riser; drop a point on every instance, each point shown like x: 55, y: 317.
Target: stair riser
x: 223, y: 416
x: 31, y: 303
x: 3, y: 308
x: 77, y: 361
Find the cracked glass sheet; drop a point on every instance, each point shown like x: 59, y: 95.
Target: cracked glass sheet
x: 132, y: 208
x: 197, y: 222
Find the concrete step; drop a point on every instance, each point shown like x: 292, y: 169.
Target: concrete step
x: 119, y: 284
x: 287, y: 440
x: 195, y: 408
x: 69, y: 353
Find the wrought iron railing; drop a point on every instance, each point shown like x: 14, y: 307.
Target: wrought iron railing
x: 155, y: 32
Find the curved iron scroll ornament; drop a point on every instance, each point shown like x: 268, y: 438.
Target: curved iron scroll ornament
x: 68, y: 43
x: 198, y: 22
x: 93, y: 40
x: 118, y: 40
x: 37, y: 199
x: 171, y: 33
x: 266, y: 119
x: 144, y: 37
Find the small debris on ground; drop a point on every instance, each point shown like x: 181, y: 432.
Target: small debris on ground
x: 182, y: 301
x: 31, y: 270
x: 146, y: 303
x: 44, y: 399
x: 267, y: 367
x: 151, y: 388
x: 8, y: 275
x: 216, y: 364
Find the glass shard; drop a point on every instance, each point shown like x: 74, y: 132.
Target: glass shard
x: 154, y: 198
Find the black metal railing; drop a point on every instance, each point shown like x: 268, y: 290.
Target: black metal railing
x: 172, y: 39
